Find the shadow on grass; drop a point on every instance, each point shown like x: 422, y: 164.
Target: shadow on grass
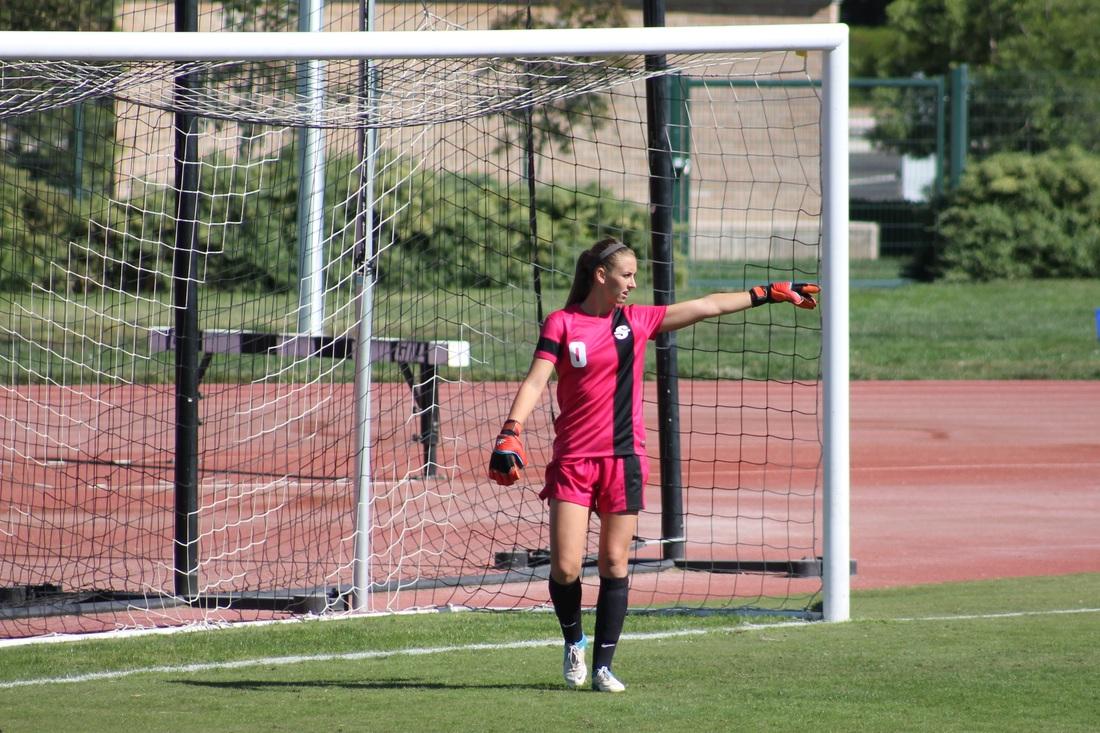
x: 383, y: 684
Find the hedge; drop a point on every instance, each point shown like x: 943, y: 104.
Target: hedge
x: 445, y: 229
x: 1022, y: 216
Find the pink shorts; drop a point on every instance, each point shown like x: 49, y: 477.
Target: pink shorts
x: 609, y: 484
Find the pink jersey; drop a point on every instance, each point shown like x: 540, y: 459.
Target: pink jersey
x: 600, y: 362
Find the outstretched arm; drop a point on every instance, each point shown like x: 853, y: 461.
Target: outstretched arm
x: 688, y: 312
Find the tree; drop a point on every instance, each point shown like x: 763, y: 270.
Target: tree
x: 1053, y: 35
x: 56, y: 15
x: 1032, y: 68
x: 1032, y: 35
x: 934, y: 35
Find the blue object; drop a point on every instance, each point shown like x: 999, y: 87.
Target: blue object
x: 1098, y: 323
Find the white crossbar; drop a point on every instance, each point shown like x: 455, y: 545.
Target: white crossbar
x: 77, y: 45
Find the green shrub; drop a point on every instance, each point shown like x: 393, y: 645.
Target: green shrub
x: 471, y: 230
x: 1019, y: 216
x: 37, y: 223
x: 447, y: 230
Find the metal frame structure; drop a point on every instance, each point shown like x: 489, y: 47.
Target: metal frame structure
x: 830, y: 39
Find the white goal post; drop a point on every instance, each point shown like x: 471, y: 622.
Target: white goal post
x: 252, y: 46
x: 831, y: 40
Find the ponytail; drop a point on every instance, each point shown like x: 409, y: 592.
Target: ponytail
x: 602, y: 253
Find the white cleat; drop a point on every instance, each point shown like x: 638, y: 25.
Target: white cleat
x: 604, y: 681
x: 573, y: 666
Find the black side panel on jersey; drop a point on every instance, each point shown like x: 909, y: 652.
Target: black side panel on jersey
x: 624, y: 385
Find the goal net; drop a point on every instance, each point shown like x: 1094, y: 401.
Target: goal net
x: 262, y: 318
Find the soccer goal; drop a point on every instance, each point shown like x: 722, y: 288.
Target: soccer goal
x: 267, y: 297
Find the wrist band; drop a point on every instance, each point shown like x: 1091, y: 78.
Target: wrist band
x: 759, y: 295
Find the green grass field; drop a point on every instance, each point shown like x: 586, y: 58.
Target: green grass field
x: 1006, y: 330
x: 1007, y: 655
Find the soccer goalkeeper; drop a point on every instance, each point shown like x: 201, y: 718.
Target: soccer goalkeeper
x: 596, y: 343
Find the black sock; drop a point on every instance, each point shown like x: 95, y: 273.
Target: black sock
x: 567, y: 605
x: 610, y: 612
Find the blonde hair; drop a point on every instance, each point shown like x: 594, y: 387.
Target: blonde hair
x: 603, y: 253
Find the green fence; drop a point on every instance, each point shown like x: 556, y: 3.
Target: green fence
x: 912, y: 139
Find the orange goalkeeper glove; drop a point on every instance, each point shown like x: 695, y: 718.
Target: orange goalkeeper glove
x: 798, y: 294
x: 508, y: 456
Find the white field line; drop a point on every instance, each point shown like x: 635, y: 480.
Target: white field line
x: 527, y: 644
x: 1006, y: 614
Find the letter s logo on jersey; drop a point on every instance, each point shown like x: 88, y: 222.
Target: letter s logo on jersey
x: 578, y: 354
x: 621, y: 332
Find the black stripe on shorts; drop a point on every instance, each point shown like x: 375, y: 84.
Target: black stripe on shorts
x: 632, y: 483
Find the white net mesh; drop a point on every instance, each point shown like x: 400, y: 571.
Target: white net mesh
x: 429, y: 169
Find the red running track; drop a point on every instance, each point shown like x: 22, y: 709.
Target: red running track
x: 956, y: 481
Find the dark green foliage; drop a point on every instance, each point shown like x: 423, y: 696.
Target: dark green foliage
x: 461, y: 231
x: 1007, y: 35
x: 29, y: 229
x: 934, y: 35
x: 871, y: 48
x: 452, y: 230
x: 56, y: 15
x: 70, y: 148
x: 1024, y: 216
x: 1032, y: 111
x: 98, y: 242
x: 905, y: 119
x: 1032, y: 70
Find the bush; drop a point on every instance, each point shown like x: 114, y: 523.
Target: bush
x: 37, y: 224
x: 449, y: 230
x: 1018, y: 216
x: 463, y: 231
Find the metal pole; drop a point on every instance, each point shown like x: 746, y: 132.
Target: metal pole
x: 834, y: 225
x: 941, y: 133
x: 960, y: 86
x: 680, y: 137
x: 532, y: 208
x: 532, y: 211
x: 311, y: 184
x: 78, y: 150
x: 661, y: 198
x: 363, y: 337
x: 366, y: 233
x: 185, y: 294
